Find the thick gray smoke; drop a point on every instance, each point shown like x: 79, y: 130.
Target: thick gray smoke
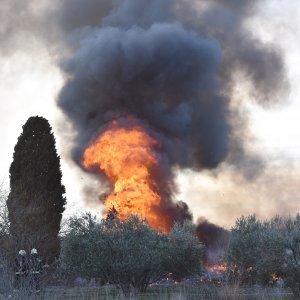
x: 258, y: 63
x: 164, y: 75
x: 181, y: 75
x: 172, y: 65
x: 172, y: 68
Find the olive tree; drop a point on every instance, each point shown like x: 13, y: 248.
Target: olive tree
x: 291, y: 237
x: 183, y: 251
x: 127, y: 253
x: 255, y: 251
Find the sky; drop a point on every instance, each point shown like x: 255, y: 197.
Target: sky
x: 30, y: 82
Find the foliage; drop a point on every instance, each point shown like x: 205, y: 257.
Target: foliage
x: 4, y: 221
x: 183, y: 251
x: 255, y: 251
x: 291, y: 238
x: 258, y: 250
x: 127, y: 253
x: 36, y: 200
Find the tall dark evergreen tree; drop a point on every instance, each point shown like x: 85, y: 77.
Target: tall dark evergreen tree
x: 36, y: 200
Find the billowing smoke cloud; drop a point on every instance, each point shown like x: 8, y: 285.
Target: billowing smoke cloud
x: 198, y: 118
x: 247, y: 63
x: 140, y: 62
x: 173, y: 66
x: 258, y: 63
x: 165, y: 76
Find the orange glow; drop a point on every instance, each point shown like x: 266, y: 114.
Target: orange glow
x: 128, y: 158
x: 275, y: 277
x: 218, y: 269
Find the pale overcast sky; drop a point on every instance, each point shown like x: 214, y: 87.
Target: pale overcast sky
x: 30, y: 82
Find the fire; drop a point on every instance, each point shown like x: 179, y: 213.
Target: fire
x: 128, y: 156
x: 275, y: 277
x: 218, y: 269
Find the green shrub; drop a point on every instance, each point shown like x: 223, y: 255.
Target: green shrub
x: 128, y: 253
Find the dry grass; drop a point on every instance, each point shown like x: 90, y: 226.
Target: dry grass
x: 166, y: 293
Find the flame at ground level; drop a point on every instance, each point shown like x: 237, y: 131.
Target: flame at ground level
x: 218, y: 269
x: 128, y: 156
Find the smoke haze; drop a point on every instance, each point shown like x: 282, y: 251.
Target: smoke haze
x: 175, y: 65
x: 175, y: 70
x: 182, y: 60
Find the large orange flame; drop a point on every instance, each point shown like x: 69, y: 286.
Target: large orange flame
x: 128, y: 157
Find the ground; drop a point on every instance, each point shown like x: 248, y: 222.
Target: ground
x: 164, y: 293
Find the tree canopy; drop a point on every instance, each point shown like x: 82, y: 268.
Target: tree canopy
x: 128, y: 253
x: 260, y: 250
x: 36, y: 200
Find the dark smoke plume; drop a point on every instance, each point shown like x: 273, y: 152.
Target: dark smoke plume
x: 173, y: 68
x: 171, y: 64
x: 215, y: 239
x: 165, y: 76
x: 202, y: 120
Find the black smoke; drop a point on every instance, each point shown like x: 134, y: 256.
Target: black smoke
x: 165, y: 76
x: 172, y: 65
x: 214, y: 238
x: 142, y: 63
x: 200, y: 123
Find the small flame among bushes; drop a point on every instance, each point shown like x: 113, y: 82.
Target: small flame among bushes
x: 217, y: 269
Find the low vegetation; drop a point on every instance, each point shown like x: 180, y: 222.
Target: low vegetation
x: 261, y: 250
x: 128, y: 254
x: 128, y: 257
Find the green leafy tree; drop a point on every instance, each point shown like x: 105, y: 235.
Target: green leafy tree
x: 272, y: 252
x: 128, y: 253
x: 36, y: 200
x: 256, y: 251
x: 183, y: 251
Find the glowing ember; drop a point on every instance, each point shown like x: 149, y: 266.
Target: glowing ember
x: 128, y: 157
x: 218, y: 269
x: 275, y: 277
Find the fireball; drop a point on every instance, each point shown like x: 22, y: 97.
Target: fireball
x: 129, y: 158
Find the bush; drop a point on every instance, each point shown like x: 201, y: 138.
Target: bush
x: 127, y: 253
x: 256, y: 251
x: 291, y: 238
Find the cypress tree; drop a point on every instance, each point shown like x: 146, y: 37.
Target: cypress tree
x: 36, y: 200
